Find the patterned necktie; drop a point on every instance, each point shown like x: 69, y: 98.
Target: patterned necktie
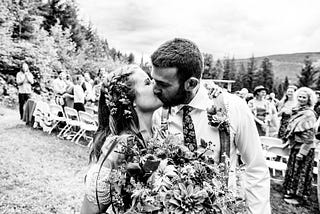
x: 188, y: 129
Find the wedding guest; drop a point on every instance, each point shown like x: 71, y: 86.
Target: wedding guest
x: 88, y: 82
x: 59, y: 88
x: 121, y: 123
x: 243, y: 93
x: 96, y: 90
x: 272, y: 99
x: 78, y: 94
x: 177, y: 70
x: 74, y: 95
x: 317, y: 105
x: 261, y: 110
x: 300, y: 134
x: 24, y: 80
x: 69, y: 94
x: 285, y: 106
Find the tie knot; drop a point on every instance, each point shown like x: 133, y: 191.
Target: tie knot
x: 187, y: 109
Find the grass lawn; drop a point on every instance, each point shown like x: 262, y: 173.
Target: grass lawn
x: 40, y: 173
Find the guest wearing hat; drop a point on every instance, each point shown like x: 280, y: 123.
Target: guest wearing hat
x: 261, y: 109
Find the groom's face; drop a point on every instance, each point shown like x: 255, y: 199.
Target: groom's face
x: 168, y: 87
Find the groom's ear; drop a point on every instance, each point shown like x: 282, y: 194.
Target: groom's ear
x: 191, y: 83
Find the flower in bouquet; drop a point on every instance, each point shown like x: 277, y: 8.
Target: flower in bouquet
x: 168, y: 178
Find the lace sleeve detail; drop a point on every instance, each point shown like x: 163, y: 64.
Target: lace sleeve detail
x: 97, y: 178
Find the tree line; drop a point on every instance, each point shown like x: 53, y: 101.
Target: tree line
x: 249, y: 74
x: 50, y: 37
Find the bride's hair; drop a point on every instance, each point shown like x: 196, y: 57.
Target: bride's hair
x: 116, y: 113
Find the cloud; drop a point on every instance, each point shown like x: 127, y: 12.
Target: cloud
x: 233, y: 28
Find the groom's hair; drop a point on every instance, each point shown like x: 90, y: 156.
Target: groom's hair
x: 182, y: 54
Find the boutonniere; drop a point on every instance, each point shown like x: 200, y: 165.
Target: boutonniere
x: 218, y: 119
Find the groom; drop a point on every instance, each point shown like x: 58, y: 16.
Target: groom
x: 177, y: 70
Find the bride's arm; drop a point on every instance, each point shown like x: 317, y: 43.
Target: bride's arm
x: 97, y: 197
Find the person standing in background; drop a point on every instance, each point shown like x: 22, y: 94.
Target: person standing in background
x: 24, y: 80
x: 89, y: 95
x: 79, y: 94
x: 285, y: 106
x: 261, y: 110
x: 68, y: 95
x: 317, y: 105
x: 59, y: 88
x: 299, y: 138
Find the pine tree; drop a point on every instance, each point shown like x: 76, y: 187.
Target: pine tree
x: 65, y: 47
x: 286, y: 83
x: 264, y: 76
x: 208, y: 64
x: 25, y: 14
x: 217, y: 70
x: 308, y: 74
x: 226, y: 69
x: 281, y: 90
x: 249, y: 77
x: 131, y: 58
x: 233, y: 69
x: 52, y: 11
x: 239, y: 84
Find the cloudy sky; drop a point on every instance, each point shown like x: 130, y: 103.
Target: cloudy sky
x: 236, y: 28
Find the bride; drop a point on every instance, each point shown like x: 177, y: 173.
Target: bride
x: 126, y: 108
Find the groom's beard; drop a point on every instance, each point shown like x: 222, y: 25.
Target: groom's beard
x: 181, y: 97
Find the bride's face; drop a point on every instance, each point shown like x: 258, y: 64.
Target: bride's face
x: 145, y: 100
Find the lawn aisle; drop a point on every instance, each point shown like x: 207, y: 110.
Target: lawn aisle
x: 38, y: 173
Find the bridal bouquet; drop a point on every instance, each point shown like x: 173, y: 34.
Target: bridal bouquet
x: 167, y: 178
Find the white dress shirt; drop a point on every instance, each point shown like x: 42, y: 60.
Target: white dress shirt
x: 79, y: 94
x: 244, y: 137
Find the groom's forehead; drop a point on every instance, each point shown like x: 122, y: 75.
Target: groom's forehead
x: 164, y: 73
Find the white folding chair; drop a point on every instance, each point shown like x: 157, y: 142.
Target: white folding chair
x: 72, y: 121
x: 273, y: 163
x: 57, y: 116
x: 270, y: 141
x: 88, y: 124
x: 96, y: 119
x: 89, y: 110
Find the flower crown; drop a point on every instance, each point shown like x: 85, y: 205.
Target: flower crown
x: 117, y: 93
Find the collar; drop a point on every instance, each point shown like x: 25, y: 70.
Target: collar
x: 145, y: 133
x: 200, y: 100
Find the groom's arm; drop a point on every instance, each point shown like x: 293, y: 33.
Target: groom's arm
x: 257, y: 178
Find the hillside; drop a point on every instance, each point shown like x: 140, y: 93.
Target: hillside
x: 286, y: 64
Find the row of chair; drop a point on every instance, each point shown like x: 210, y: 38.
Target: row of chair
x: 277, y: 156
x: 76, y: 123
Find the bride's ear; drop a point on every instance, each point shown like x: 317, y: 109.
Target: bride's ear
x: 191, y: 84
